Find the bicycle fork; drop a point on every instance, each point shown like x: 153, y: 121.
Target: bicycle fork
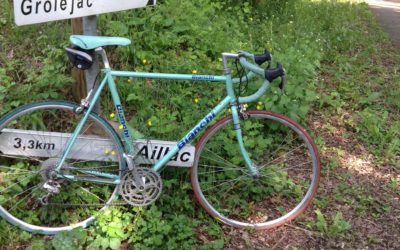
x: 235, y: 115
x: 236, y: 126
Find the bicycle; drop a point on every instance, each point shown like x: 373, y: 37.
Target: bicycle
x: 61, y: 163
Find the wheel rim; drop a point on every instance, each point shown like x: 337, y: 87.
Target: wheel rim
x: 288, y: 162
x: 24, y: 172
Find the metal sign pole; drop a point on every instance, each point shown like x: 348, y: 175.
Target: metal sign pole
x: 90, y: 29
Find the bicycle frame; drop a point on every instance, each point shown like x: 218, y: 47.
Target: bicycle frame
x: 230, y: 99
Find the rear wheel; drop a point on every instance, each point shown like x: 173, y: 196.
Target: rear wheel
x: 32, y: 140
x: 285, y: 156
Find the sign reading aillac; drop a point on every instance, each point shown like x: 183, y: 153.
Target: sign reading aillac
x: 39, y: 11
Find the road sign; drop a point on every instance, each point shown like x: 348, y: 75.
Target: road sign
x: 39, y: 11
x: 39, y: 144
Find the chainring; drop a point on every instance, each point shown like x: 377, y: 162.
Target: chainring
x: 140, y: 194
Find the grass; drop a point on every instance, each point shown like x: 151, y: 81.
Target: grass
x: 342, y: 81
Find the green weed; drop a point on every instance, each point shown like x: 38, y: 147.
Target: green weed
x: 186, y: 36
x: 338, y: 226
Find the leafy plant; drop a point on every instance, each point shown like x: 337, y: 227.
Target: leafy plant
x: 187, y: 37
x: 337, y: 228
x: 69, y: 240
x: 110, y: 229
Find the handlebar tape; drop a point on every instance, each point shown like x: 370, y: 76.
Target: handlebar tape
x: 252, y: 67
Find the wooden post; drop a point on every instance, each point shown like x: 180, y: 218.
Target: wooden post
x: 79, y: 88
x: 90, y: 29
x: 84, y: 81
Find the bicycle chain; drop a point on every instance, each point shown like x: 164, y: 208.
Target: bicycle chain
x: 89, y: 205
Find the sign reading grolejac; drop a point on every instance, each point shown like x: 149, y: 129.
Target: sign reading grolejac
x: 39, y: 11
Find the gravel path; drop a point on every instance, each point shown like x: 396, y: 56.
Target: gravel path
x: 388, y: 14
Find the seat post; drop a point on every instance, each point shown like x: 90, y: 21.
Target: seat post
x: 103, y: 55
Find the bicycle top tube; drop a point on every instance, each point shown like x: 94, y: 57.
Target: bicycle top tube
x: 168, y: 76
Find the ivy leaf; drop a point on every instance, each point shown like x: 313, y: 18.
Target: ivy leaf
x: 115, y: 243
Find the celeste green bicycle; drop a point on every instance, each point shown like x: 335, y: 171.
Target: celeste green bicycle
x: 61, y: 163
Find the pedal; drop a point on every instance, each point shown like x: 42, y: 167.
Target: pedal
x: 140, y: 186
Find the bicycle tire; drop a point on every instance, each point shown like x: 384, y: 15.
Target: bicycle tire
x: 286, y: 186
x: 24, y: 172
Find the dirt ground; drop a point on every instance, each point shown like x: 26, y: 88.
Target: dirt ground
x: 357, y: 187
x: 364, y: 189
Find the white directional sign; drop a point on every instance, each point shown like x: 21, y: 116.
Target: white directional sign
x: 39, y: 11
x: 37, y: 144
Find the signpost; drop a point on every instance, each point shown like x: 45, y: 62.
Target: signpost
x: 31, y: 144
x: 40, y: 11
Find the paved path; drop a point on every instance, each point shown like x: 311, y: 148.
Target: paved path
x: 388, y: 14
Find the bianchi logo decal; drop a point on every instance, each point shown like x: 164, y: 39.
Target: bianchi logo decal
x: 122, y: 120
x: 192, y: 134
x: 204, y: 78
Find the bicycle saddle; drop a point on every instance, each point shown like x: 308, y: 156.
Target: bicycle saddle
x: 92, y: 42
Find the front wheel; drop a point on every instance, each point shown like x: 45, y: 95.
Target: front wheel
x: 287, y: 161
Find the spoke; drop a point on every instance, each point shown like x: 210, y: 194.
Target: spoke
x: 82, y: 133
x: 16, y: 169
x: 222, y: 169
x: 289, y: 168
x: 77, y: 162
x: 26, y: 196
x: 41, y: 136
x: 268, y: 163
x: 229, y: 189
x: 87, y: 191
x: 223, y: 160
x: 2, y: 191
x: 230, y: 166
x: 21, y: 173
x: 81, y: 174
x: 63, y: 142
x: 280, y: 146
x: 23, y: 152
x: 22, y: 192
x: 92, y: 168
x: 86, y: 161
x: 223, y: 182
x: 25, y: 156
x: 21, y: 158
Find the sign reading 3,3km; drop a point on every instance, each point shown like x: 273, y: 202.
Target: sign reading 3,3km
x: 39, y: 11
